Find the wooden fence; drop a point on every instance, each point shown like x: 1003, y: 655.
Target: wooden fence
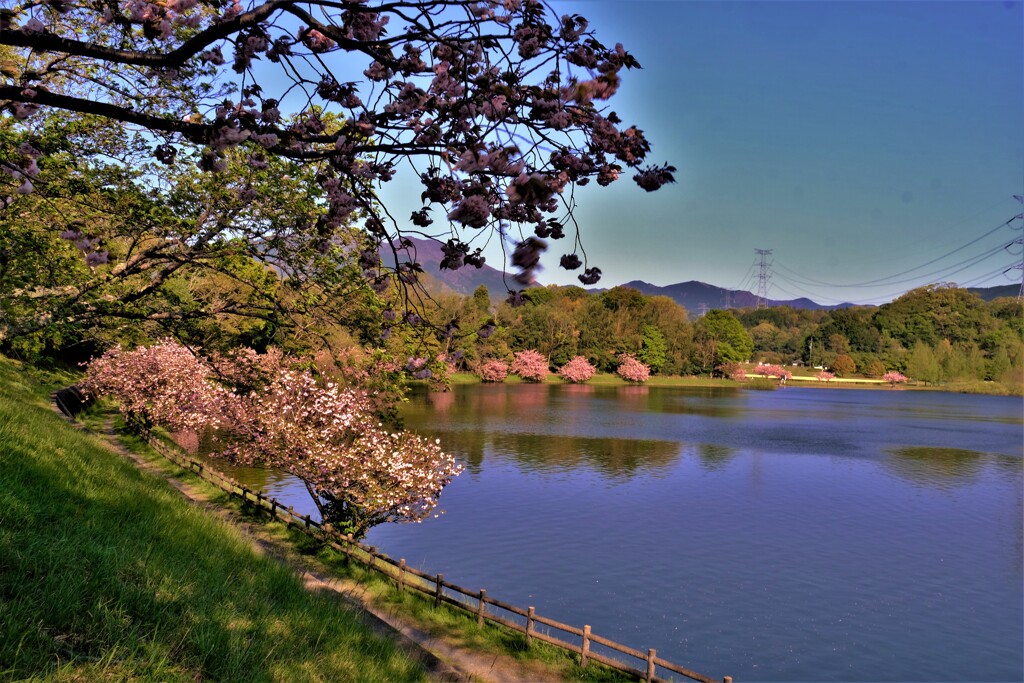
x: 486, y: 608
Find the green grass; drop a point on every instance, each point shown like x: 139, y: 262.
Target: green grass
x: 107, y: 573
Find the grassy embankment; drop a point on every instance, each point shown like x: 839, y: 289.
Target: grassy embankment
x: 107, y: 573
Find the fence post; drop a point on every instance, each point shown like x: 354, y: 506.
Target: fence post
x: 306, y: 520
x: 650, y: 665
x: 481, y: 608
x: 437, y: 592
x: 529, y: 626
x: 373, y: 557
x: 727, y: 679
x: 585, y: 648
x: 273, y: 507
x: 401, y: 575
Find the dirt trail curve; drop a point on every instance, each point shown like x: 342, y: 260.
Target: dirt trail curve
x: 443, y: 659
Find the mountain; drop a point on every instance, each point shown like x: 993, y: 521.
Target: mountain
x: 694, y: 295
x: 989, y: 293
x: 463, y: 281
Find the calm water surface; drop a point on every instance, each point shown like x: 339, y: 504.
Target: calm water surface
x: 794, y: 535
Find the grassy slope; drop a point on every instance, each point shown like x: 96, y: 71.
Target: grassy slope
x: 106, y: 572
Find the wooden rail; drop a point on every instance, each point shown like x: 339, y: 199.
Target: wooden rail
x: 477, y: 603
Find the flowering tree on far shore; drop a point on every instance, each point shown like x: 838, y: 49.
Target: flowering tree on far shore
x: 530, y: 365
x: 734, y: 371
x: 894, y: 378
x: 782, y: 373
x: 577, y: 370
x: 632, y: 370
x: 492, y: 370
x: 272, y: 414
x: 825, y: 376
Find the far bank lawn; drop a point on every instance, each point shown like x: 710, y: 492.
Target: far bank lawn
x: 107, y: 573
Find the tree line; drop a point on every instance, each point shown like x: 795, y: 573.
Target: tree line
x: 936, y: 333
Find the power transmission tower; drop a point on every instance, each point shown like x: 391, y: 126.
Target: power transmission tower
x: 728, y: 299
x: 763, y: 278
x: 703, y: 308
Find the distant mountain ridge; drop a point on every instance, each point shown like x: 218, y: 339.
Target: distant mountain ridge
x: 691, y: 295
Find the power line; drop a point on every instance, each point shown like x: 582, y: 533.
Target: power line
x: 888, y: 279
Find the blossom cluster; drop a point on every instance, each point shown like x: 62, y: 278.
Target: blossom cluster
x: 577, y: 370
x: 734, y: 371
x: 895, y: 378
x: 775, y: 371
x: 531, y: 365
x: 492, y: 370
x: 459, y: 85
x: 273, y: 413
x: 632, y: 370
x: 825, y: 376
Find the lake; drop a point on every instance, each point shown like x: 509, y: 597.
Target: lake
x: 793, y: 535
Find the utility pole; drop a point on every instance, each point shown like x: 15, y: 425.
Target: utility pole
x: 763, y: 278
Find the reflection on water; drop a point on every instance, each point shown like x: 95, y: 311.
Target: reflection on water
x: 799, y: 534
x: 615, y: 458
x: 714, y: 456
x: 936, y: 466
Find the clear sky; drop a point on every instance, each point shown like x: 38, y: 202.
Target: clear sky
x: 857, y: 140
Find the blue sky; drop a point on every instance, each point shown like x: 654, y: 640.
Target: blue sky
x: 857, y: 140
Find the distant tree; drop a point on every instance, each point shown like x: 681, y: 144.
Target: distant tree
x: 775, y: 371
x: 577, y: 370
x: 492, y: 370
x: 825, y: 376
x: 530, y: 365
x: 894, y: 378
x: 653, y: 348
x: 874, y: 368
x: 922, y: 364
x: 838, y: 343
x: 732, y: 343
x: 632, y: 370
x: 482, y: 299
x: 998, y: 365
x: 843, y: 365
x: 734, y: 371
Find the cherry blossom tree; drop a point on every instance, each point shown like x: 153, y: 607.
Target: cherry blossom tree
x: 492, y: 370
x: 531, y: 365
x: 734, y: 371
x: 894, y: 378
x: 782, y: 373
x: 632, y: 370
x: 273, y: 413
x: 825, y: 376
x: 165, y: 384
x: 496, y: 106
x: 577, y: 371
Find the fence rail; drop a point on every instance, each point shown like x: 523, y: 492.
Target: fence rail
x: 474, y: 602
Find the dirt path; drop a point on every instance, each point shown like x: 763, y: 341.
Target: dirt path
x: 443, y: 658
